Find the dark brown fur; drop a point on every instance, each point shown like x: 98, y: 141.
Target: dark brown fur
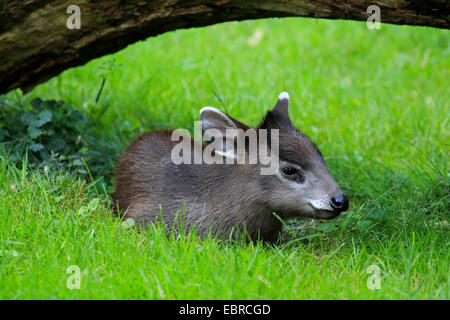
x: 222, y: 199
x: 147, y: 159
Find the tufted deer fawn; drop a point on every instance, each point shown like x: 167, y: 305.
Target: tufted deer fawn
x: 233, y: 198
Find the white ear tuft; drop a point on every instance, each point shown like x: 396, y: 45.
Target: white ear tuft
x: 282, y: 105
x: 283, y: 96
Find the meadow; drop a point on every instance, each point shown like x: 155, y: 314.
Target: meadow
x: 375, y: 101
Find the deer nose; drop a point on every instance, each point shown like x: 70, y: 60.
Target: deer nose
x: 339, y: 203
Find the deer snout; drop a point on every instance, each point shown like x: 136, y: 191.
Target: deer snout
x: 339, y: 203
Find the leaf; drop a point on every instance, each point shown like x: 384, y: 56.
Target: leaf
x: 45, y: 116
x: 36, y: 103
x: 82, y: 211
x: 35, y: 147
x: 78, y: 115
x: 93, y: 204
x: 82, y: 171
x: 326, y: 227
x: 84, y: 151
x: 77, y: 162
x: 27, y: 118
x: 129, y: 222
x: 33, y: 132
x: 56, y: 144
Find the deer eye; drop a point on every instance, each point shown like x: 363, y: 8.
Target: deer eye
x: 289, y: 171
x: 293, y: 173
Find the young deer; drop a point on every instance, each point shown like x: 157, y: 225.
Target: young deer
x: 227, y: 199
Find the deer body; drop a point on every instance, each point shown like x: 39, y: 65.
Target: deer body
x: 222, y: 199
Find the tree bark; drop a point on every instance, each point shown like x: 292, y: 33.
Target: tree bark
x: 36, y: 44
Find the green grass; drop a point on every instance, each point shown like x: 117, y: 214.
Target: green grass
x: 376, y: 103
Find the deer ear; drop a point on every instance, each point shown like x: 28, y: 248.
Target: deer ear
x: 282, y: 106
x: 216, y: 127
x: 213, y: 118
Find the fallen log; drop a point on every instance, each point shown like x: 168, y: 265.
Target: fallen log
x: 41, y: 38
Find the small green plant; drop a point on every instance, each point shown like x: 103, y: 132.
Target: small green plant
x: 54, y: 136
x: 50, y: 132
